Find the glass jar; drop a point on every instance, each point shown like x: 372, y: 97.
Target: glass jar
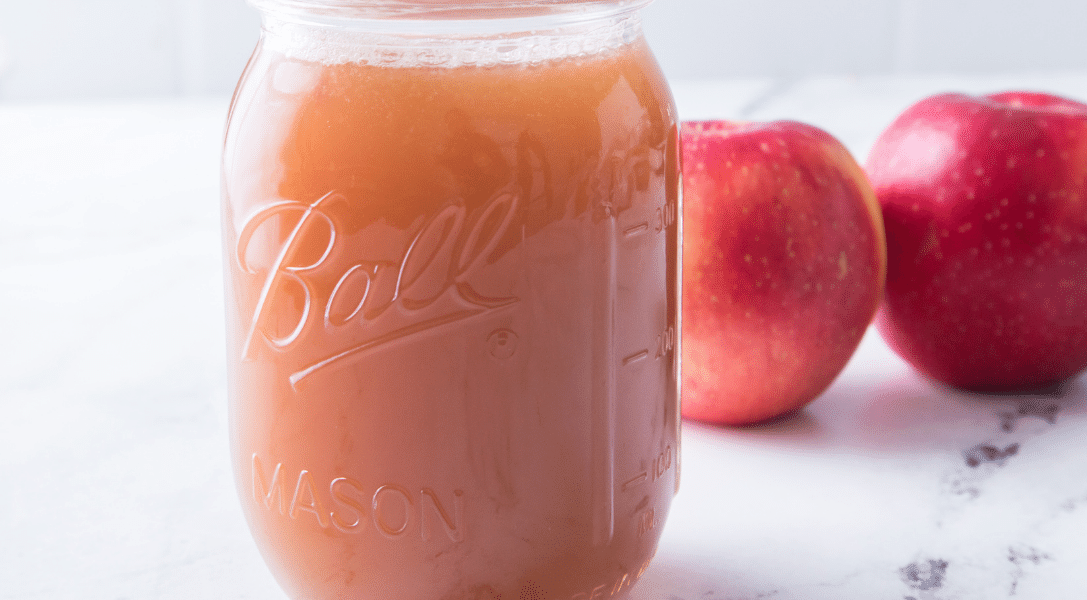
x: 452, y: 251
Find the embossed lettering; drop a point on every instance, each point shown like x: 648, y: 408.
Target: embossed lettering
x: 305, y: 499
x: 432, y: 243
x: 349, y: 277
x: 428, y: 282
x: 345, y: 494
x: 431, y: 505
x: 481, y: 242
x: 281, y: 267
x: 393, y: 509
x: 268, y: 494
x: 394, y: 500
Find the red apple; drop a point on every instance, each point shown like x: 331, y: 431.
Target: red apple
x: 783, y: 267
x: 985, y: 205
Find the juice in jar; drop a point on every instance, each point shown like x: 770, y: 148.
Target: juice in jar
x: 452, y: 314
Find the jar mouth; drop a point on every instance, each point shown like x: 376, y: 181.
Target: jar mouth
x: 447, y: 33
x: 342, y: 12
x: 451, y: 42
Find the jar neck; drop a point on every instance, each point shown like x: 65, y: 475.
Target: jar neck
x: 342, y: 12
x: 436, y: 33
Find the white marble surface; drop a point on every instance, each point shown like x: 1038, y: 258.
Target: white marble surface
x: 114, y: 475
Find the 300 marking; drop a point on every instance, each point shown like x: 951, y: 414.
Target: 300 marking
x: 666, y: 216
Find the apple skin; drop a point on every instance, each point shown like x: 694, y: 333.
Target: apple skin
x: 783, y: 267
x: 985, y: 205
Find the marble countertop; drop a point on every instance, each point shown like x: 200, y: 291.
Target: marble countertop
x: 114, y: 474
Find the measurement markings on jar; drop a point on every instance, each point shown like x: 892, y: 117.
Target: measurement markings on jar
x: 665, y: 216
x: 636, y: 230
x: 637, y: 356
x: 661, y: 463
x: 612, y: 588
x: 637, y: 479
x: 665, y: 344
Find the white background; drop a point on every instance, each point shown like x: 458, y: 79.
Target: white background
x: 79, y: 49
x: 115, y: 481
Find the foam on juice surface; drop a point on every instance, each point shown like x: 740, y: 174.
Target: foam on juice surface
x: 429, y: 44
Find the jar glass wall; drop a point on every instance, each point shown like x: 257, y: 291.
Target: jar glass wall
x: 452, y: 251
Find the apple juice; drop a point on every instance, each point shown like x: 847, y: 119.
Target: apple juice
x: 452, y: 307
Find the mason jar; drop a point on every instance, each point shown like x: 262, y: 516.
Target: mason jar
x: 452, y: 251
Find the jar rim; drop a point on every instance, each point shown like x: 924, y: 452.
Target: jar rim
x: 443, y: 10
x: 448, y: 41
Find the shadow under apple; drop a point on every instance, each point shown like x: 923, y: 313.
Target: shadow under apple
x: 908, y: 414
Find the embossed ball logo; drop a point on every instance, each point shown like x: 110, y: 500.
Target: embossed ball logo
x: 391, y: 300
